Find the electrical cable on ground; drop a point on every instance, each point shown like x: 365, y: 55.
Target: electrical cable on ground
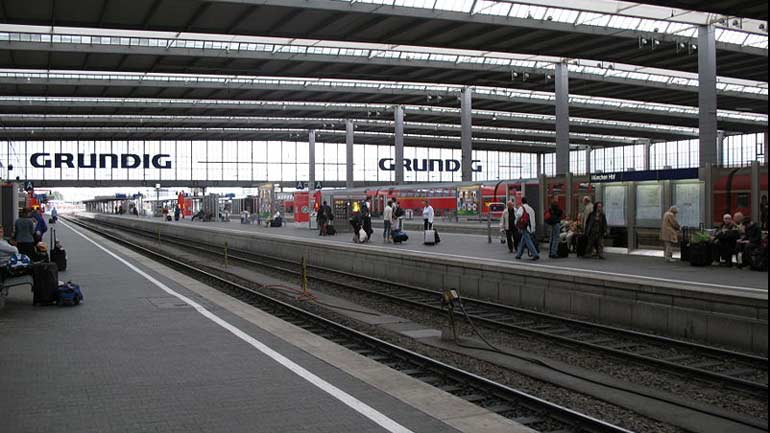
x: 453, y: 297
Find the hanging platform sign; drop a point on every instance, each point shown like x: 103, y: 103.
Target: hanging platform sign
x: 641, y: 176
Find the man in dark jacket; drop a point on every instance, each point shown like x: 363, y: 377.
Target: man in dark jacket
x: 553, y: 220
x: 322, y: 219
x: 725, y: 240
x: 750, y: 238
x: 596, y: 229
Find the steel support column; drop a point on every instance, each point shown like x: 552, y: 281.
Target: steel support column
x: 755, y: 192
x: 311, y: 159
x: 349, y: 128
x: 646, y: 155
x: 707, y: 95
x: 562, y: 119
x: 588, y: 163
x: 466, y: 119
x: 720, y: 149
x: 399, y: 142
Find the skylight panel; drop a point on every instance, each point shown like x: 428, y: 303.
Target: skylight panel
x: 757, y: 41
x: 492, y: 8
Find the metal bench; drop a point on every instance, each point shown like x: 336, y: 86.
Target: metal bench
x: 11, y: 282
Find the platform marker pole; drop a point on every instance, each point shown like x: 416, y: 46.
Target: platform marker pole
x: 305, y: 295
x: 226, y: 248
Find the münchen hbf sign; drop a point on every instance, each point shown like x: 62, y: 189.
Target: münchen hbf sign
x: 440, y: 165
x: 104, y: 160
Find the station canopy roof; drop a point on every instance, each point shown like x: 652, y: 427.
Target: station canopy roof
x: 265, y: 68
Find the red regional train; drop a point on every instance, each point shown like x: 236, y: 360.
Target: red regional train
x: 463, y: 199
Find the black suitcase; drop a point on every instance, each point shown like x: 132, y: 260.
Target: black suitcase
x: 45, y: 278
x: 58, y: 254
x: 563, y: 250
x: 581, y: 245
x: 330, y: 230
x: 684, y: 245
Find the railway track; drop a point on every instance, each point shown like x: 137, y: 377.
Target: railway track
x: 533, y: 412
x: 737, y: 370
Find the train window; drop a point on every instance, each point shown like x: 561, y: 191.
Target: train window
x: 742, y: 200
x: 496, y: 207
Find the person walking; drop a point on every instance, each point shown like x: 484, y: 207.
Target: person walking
x: 387, y: 217
x: 525, y: 223
x: 596, y: 229
x: 669, y: 232
x: 24, y: 233
x: 427, y: 215
x: 508, y: 226
x: 553, y: 218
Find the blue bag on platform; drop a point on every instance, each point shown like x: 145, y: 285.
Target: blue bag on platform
x: 69, y: 294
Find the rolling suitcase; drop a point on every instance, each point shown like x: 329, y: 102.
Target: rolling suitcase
x: 330, y: 230
x: 45, y: 278
x: 563, y: 250
x: 429, y: 237
x: 58, y: 254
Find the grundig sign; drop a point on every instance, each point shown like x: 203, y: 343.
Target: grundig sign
x: 440, y: 165
x: 105, y: 160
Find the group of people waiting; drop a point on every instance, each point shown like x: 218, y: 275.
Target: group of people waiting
x: 735, y: 237
x: 27, y: 237
x: 518, y: 223
x: 393, y: 218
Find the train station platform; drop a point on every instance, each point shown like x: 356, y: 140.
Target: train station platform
x: 152, y: 350
x: 476, y: 247
x: 713, y: 305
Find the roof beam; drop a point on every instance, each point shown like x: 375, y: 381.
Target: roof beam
x: 362, y: 87
x: 287, y: 106
x: 380, y: 8
x: 33, y: 121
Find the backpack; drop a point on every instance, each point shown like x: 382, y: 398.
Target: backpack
x: 18, y: 264
x: 399, y: 212
x: 523, y: 223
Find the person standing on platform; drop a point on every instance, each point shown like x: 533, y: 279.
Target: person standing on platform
x: 588, y: 209
x: 322, y: 220
x: 596, y: 230
x: 54, y: 215
x: 553, y: 219
x: 41, y: 227
x: 427, y: 215
x: 525, y: 223
x: 387, y: 220
x: 669, y: 232
x: 398, y: 216
x: 24, y: 233
x: 508, y: 225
